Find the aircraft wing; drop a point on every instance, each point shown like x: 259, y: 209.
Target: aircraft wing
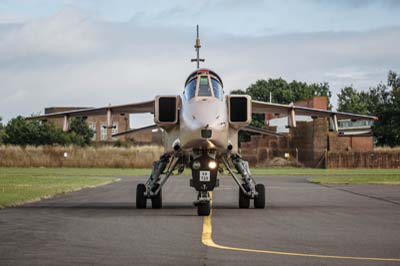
x: 135, y: 130
x: 140, y: 107
x: 290, y: 109
x: 261, y: 131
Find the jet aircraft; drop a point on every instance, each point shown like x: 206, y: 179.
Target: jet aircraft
x: 200, y: 129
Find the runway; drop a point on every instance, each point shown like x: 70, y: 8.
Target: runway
x: 341, y: 225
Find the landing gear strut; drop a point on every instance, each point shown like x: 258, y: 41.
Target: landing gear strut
x: 152, y: 189
x: 248, y: 189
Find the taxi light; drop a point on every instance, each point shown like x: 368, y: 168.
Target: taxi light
x: 212, y: 164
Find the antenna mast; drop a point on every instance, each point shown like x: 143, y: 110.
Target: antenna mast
x: 197, y: 46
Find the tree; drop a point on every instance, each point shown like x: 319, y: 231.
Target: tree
x: 283, y: 92
x: 387, y: 128
x: 80, y: 130
x: 382, y: 101
x: 352, y: 101
x: 20, y: 131
x: 280, y: 91
x: 1, y: 130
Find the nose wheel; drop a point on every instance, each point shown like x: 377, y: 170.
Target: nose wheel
x: 203, y: 203
x: 203, y: 208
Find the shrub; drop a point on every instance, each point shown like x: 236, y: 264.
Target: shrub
x: 20, y: 131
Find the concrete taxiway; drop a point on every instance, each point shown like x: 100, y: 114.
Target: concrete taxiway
x: 304, y: 224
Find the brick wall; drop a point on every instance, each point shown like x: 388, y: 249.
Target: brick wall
x: 319, y: 102
x: 309, y: 142
x: 350, y: 143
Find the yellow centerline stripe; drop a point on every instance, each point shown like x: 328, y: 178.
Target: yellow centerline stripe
x: 207, y: 240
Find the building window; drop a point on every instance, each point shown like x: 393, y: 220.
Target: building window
x: 103, y: 132
x: 115, y: 129
x: 92, y: 126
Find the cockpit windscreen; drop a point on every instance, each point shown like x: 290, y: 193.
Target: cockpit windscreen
x: 217, y: 89
x: 204, y: 87
x: 190, y: 89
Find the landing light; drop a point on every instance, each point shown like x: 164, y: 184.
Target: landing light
x: 212, y: 164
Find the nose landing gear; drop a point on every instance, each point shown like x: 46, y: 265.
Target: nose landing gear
x: 204, y: 179
x: 203, y: 203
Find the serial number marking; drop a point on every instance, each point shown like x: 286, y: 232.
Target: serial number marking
x: 205, y: 176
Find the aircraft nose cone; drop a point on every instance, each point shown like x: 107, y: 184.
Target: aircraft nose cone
x: 205, y: 114
x: 206, y: 119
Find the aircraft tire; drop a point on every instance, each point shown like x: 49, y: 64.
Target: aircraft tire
x: 259, y: 200
x: 244, y: 200
x: 156, y: 202
x: 204, y: 209
x: 141, y: 200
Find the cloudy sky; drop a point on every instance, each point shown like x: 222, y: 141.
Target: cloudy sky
x: 96, y: 52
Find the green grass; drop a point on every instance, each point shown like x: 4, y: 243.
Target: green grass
x: 323, y: 172
x: 19, y: 185
x: 364, y: 179
x: 337, y: 176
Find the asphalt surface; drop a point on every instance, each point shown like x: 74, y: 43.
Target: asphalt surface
x: 102, y: 227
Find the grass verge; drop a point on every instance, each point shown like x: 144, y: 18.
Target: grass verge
x: 384, y: 180
x: 337, y: 176
x: 22, y: 185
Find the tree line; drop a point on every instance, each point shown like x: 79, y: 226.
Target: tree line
x: 382, y: 100
x: 20, y: 131
x: 281, y: 91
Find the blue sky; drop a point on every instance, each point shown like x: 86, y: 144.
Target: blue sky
x: 92, y: 53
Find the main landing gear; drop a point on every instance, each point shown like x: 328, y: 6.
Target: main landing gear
x: 248, y: 189
x: 204, y: 165
x: 152, y: 189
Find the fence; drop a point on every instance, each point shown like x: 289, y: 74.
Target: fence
x: 374, y: 159
x: 321, y: 158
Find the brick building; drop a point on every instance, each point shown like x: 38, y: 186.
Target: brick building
x: 97, y: 123
x: 121, y: 123
x: 310, y: 141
